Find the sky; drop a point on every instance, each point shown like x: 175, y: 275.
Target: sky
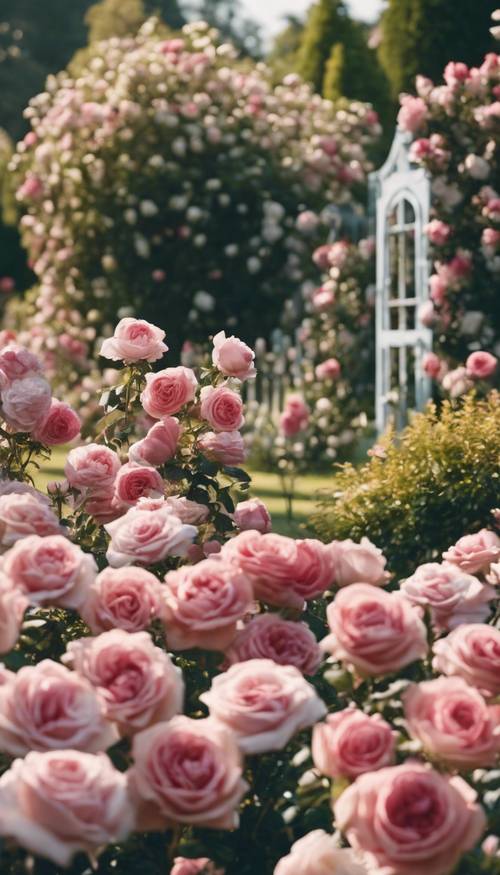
x: 269, y: 13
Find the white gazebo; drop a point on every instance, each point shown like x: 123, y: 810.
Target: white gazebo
x: 401, y: 193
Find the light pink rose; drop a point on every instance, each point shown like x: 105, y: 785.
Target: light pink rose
x: 481, y: 365
x: 203, y: 604
x: 232, y: 357
x: 432, y: 365
x: 16, y: 487
x: 191, y: 866
x: 50, y: 571
x: 147, y: 537
x: 320, y: 256
x: 438, y: 232
x: 13, y: 604
x: 31, y: 188
x: 226, y: 447
x: 136, y: 680
x: 24, y: 514
x: 252, y: 514
x: 135, y: 481
x: 102, y: 506
x: 437, y: 289
x: 17, y: 362
x: 48, y: 707
x: 323, y: 297
x: 187, y: 771
x: 284, y: 571
x: 168, y: 391
x: 453, y: 722
x: 159, y: 445
x: 269, y: 636
x: 328, y: 370
x: 188, y: 511
x: 474, y: 553
x: 374, y: 631
x: 318, y: 854
x: 222, y: 408
x: 25, y: 402
x: 123, y: 598
x: 456, y: 382
x: 351, y: 742
x: 91, y: 467
x: 452, y: 595
x: 413, y: 113
x: 410, y: 819
x: 472, y: 652
x: 134, y: 340
x: 295, y: 416
x: 358, y: 563
x: 58, y: 803
x: 263, y: 703
x: 60, y: 425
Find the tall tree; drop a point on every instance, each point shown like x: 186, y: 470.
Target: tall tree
x: 282, y: 57
x: 326, y: 25
x: 421, y: 36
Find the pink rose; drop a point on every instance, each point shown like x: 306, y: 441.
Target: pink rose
x: 263, y: 703
x: 135, y: 481
x: 481, y: 365
x: 159, y: 445
x: 24, y: 514
x: 58, y: 803
x: 413, y: 113
x: 438, y: 287
x: 410, y: 819
x: 123, y: 598
x: 427, y: 315
x: 191, y: 866
x: 456, y: 382
x: 453, y: 722
x: 358, y: 563
x: 374, y: 631
x: 31, y: 188
x: 452, y: 595
x: 102, y: 506
x: 317, y: 853
x: 222, y: 408
x: 48, y: 707
x: 17, y: 362
x: 188, y: 511
x: 320, y: 256
x: 438, y: 232
x: 203, y: 604
x: 269, y: 636
x: 147, y: 537
x: 91, y: 467
x: 328, y: 370
x: 226, y: 447
x: 166, y: 759
x: 295, y: 416
x: 136, y: 680
x: 432, y: 365
x: 284, y: 572
x: 351, y: 742
x: 13, y: 604
x: 472, y: 652
x: 50, y: 571
x: 474, y: 553
x: 168, y: 391
x: 252, y: 514
x: 455, y: 72
x: 323, y: 298
x: 26, y: 402
x: 60, y: 426
x: 232, y: 357
x: 134, y: 340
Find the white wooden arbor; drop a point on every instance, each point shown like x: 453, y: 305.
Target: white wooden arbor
x: 402, y: 202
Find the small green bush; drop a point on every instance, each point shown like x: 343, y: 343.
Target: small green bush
x: 438, y: 480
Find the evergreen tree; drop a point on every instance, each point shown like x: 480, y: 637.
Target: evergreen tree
x: 283, y: 55
x: 421, y: 36
x: 326, y: 25
x: 114, y: 18
x: 334, y: 79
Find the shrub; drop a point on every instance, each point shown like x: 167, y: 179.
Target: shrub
x: 420, y: 491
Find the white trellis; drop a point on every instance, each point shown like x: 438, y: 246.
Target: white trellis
x: 402, y: 195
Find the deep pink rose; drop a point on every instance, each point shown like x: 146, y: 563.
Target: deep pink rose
x: 263, y: 703
x: 60, y: 426
x: 222, y: 408
x: 317, y: 853
x: 456, y: 72
x: 58, y: 803
x: 147, y: 537
x: 159, y: 445
x: 252, y: 514
x: 13, y: 604
x: 135, y: 340
x: 168, y: 391
x: 481, y: 365
x: 203, y: 604
x: 136, y: 680
x: 432, y: 365
x: 413, y: 113
x: 474, y: 553
x: 48, y: 707
x: 328, y: 370
x: 295, y: 416
x: 351, y: 742
x: 24, y: 514
x: 25, y: 402
x: 452, y: 595
x: 123, y: 598
x: 471, y: 651
x: 438, y: 232
x: 232, y: 357
x: 135, y: 481
x: 374, y: 631
x: 269, y: 636
x: 17, y: 362
x: 410, y: 819
x: 358, y: 563
x: 91, y: 467
x: 187, y: 771
x: 453, y: 722
x: 50, y: 571
x: 226, y: 447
